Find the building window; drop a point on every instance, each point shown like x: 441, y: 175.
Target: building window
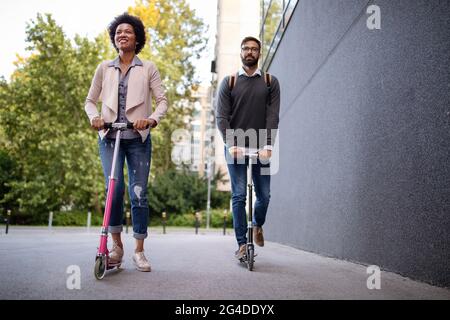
x: 275, y: 16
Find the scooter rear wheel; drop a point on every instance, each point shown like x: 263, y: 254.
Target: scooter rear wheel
x: 250, y: 258
x: 100, y: 267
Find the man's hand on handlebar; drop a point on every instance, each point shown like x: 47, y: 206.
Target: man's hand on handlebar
x: 265, y: 154
x: 236, y: 152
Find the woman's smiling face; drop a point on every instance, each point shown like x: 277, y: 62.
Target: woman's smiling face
x: 125, y: 38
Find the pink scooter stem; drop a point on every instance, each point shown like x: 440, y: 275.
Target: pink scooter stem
x: 104, y: 236
x: 103, y: 248
x: 102, y: 259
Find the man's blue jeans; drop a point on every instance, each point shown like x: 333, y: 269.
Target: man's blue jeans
x: 137, y: 155
x: 238, y: 177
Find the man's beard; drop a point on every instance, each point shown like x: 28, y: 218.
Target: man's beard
x: 249, y: 63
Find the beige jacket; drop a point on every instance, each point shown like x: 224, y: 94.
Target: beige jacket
x: 143, y: 83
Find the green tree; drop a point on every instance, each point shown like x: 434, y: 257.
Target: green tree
x: 45, y: 136
x: 45, y: 131
x: 46, y: 140
x: 7, y: 175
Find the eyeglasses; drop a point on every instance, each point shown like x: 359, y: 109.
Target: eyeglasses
x: 247, y: 49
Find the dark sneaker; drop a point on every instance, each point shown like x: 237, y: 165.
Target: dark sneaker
x: 240, y: 254
x: 258, y: 236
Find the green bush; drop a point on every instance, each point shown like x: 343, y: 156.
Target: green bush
x: 75, y: 218
x: 155, y: 221
x: 217, y: 218
x: 181, y: 220
x: 188, y: 219
x: 79, y: 218
x: 181, y: 191
x: 8, y: 174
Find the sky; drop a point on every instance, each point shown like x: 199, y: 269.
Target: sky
x: 82, y: 17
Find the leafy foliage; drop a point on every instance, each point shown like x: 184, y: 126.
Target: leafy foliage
x: 182, y: 192
x: 45, y: 131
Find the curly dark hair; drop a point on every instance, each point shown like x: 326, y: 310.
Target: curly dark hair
x: 137, y: 25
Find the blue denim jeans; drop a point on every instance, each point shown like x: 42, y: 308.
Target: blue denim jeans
x: 238, y: 177
x: 137, y: 155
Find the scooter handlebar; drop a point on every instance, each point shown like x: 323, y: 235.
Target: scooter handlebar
x: 116, y: 125
x: 251, y: 152
x: 120, y: 126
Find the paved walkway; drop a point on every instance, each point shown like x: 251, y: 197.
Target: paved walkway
x: 34, y: 262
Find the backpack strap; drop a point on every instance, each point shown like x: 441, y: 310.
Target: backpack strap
x: 232, y: 80
x: 267, y: 79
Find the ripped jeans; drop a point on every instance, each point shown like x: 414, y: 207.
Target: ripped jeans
x: 137, y: 155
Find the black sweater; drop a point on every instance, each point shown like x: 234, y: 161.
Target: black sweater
x: 250, y: 105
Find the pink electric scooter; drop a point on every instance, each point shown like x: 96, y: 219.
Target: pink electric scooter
x: 102, y: 262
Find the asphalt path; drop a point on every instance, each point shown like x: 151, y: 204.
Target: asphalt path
x: 38, y: 263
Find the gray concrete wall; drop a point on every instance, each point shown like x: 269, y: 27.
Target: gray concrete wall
x: 365, y: 135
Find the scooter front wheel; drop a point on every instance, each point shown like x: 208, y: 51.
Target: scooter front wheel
x: 100, y: 267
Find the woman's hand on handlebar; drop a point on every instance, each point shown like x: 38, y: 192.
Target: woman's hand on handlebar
x: 97, y: 123
x: 143, y: 124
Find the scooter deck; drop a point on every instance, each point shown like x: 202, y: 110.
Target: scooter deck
x: 244, y: 258
x: 114, y: 265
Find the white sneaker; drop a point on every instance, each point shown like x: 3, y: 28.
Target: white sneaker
x: 116, y: 254
x: 141, y: 262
